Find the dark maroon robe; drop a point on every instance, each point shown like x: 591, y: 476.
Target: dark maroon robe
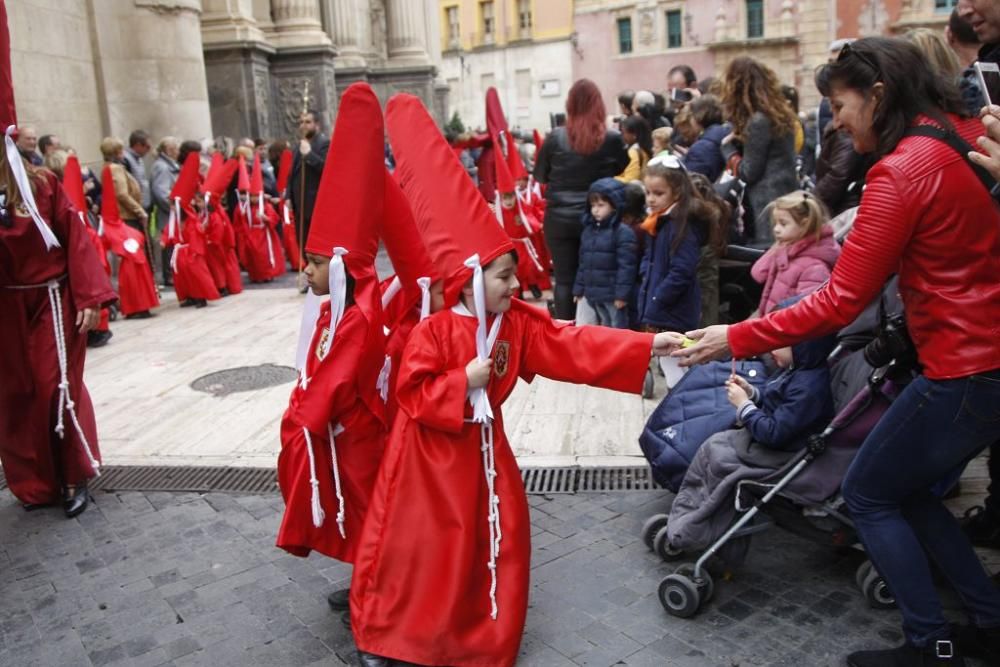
x: 36, y: 461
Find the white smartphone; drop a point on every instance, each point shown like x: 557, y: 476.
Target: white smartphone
x: 989, y: 81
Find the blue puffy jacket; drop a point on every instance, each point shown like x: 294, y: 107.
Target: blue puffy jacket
x: 669, y: 296
x: 705, y: 155
x: 695, y: 409
x: 608, y: 261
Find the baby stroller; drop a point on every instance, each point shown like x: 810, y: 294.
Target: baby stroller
x: 802, y: 495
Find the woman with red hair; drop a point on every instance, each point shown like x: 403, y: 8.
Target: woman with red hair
x: 572, y: 158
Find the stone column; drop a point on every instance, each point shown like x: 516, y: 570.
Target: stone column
x: 407, y: 32
x: 345, y: 33
x: 298, y: 23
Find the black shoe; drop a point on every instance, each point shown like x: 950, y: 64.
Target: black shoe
x: 345, y: 619
x: 340, y: 600
x: 98, y: 338
x: 76, y: 501
x: 550, y: 305
x: 535, y: 292
x: 978, y: 642
x: 187, y: 303
x: 200, y: 303
x: 141, y: 315
x: 372, y: 660
x: 982, y: 527
x: 940, y: 653
x: 31, y: 507
x: 223, y: 292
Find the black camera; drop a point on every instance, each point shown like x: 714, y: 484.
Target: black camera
x: 892, y: 343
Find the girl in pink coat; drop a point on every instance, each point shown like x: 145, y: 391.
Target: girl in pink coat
x: 803, y: 253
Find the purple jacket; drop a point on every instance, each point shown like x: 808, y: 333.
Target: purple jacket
x: 787, y: 271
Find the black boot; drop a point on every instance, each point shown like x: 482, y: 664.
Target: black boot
x: 75, y: 500
x: 200, y: 303
x: 340, y: 600
x: 141, y: 315
x: 345, y: 619
x: 372, y: 660
x: 942, y: 653
x: 98, y: 338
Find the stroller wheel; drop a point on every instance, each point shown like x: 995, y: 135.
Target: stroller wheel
x: 661, y: 545
x: 877, y: 591
x: 706, y: 586
x: 679, y: 596
x: 648, y: 384
x: 862, y: 574
x: 652, y: 527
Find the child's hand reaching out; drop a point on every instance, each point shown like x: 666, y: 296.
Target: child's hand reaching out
x: 478, y: 373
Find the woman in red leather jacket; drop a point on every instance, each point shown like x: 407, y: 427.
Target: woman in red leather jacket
x: 927, y: 217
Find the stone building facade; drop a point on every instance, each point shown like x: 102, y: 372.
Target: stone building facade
x: 521, y: 47
x: 632, y: 44
x: 84, y: 69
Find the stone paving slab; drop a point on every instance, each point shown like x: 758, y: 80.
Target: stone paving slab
x: 194, y: 580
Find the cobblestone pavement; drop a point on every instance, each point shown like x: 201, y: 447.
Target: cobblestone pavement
x: 188, y: 579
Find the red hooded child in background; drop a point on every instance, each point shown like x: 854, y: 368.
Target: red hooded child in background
x: 434, y: 583
x: 333, y: 432
x: 263, y: 244
x: 220, y: 238
x: 285, y: 214
x: 73, y: 185
x: 52, y: 287
x: 241, y: 214
x: 184, y: 231
x: 136, y: 290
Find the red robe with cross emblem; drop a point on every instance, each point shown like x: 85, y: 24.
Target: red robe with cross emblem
x: 333, y: 396
x: 421, y: 586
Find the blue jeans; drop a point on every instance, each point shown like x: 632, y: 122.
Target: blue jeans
x: 609, y: 316
x: 934, y: 428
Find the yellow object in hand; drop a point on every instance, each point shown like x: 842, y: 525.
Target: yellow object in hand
x: 688, y: 342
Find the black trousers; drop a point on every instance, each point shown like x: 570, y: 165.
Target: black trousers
x: 563, y: 239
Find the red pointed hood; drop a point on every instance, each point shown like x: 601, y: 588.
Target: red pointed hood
x: 495, y: 120
x: 220, y: 174
x: 186, y: 184
x: 514, y: 162
x: 73, y: 183
x: 284, y: 170
x: 505, y: 182
x: 109, y: 200
x: 243, y: 182
x: 451, y: 214
x: 404, y: 245
x: 349, y: 201
x: 536, y: 135
x: 256, y: 176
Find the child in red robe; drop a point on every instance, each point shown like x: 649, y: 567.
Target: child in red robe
x: 333, y: 432
x: 241, y: 215
x: 193, y: 282
x: 285, y: 214
x: 220, y: 239
x: 265, y: 259
x: 73, y: 185
x: 441, y: 576
x: 52, y: 288
x: 136, y: 289
x: 530, y: 271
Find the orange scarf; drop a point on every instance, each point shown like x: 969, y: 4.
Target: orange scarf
x: 649, y: 224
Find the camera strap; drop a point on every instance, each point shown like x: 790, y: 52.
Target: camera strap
x: 960, y: 146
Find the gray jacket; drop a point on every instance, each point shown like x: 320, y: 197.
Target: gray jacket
x: 137, y: 168
x: 164, y: 175
x: 768, y: 169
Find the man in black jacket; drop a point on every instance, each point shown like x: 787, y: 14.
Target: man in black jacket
x: 311, y: 152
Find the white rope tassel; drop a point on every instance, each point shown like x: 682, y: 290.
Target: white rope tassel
x: 338, y: 292
x: 260, y: 205
x: 270, y: 245
x: 482, y: 413
x: 425, y: 297
x: 27, y: 196
x: 174, y: 220
x: 65, y: 401
x: 317, y: 509
x: 333, y: 433
x: 498, y: 207
x: 382, y: 384
x: 391, y: 291
x: 310, y: 314
x: 493, y: 513
x: 284, y: 214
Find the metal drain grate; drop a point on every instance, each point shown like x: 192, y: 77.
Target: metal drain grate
x: 193, y: 479
x: 244, y: 378
x: 206, y: 479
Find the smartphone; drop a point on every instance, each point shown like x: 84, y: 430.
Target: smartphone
x: 989, y: 81
x: 680, y: 95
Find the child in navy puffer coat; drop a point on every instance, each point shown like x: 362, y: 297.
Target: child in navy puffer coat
x: 608, y: 261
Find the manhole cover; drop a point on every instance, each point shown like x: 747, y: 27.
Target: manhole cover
x: 244, y: 378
